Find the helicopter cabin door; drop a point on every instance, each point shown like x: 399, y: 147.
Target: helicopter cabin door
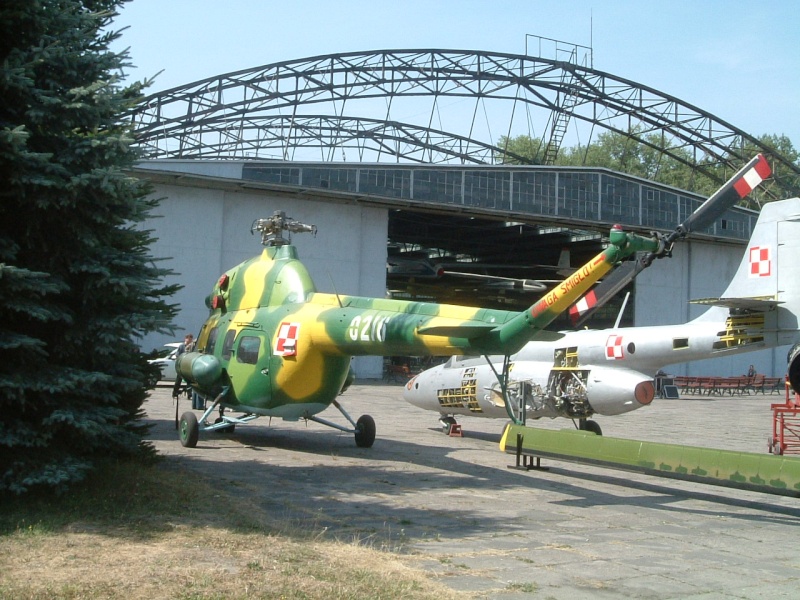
x: 248, y: 368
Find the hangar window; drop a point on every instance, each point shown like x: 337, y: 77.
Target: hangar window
x: 619, y: 200
x: 385, y: 182
x: 289, y: 176
x: 335, y: 179
x: 248, y: 349
x: 660, y: 209
x: 443, y: 186
x: 487, y: 189
x: 578, y: 195
x: 535, y: 192
x: 735, y: 228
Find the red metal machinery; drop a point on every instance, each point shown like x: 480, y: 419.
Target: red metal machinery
x: 785, y: 437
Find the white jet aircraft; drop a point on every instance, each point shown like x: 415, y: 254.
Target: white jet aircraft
x: 611, y: 371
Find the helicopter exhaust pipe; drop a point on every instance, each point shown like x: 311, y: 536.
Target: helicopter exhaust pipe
x: 195, y: 367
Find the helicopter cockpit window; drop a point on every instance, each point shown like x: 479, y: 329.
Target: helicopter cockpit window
x: 227, y: 345
x: 212, y: 341
x: 248, y: 350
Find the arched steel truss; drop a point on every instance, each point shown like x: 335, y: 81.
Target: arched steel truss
x: 366, y: 138
x: 347, y: 102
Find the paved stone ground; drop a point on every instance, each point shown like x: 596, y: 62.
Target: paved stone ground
x: 571, y: 532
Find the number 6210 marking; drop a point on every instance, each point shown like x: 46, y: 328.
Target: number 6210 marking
x: 368, y: 328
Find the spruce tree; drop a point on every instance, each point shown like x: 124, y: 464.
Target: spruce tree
x: 78, y: 286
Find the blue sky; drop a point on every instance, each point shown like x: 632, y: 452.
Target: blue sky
x: 738, y: 60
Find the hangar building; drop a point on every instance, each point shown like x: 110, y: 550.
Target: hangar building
x: 525, y: 213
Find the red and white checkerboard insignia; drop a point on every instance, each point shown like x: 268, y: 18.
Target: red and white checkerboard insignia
x: 760, y: 261
x: 286, y: 342
x: 614, y: 349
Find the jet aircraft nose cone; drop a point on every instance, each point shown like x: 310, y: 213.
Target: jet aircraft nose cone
x: 410, y: 388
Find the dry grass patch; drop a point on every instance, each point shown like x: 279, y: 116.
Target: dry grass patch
x: 153, y: 532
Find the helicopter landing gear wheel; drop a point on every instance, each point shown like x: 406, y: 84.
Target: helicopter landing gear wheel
x: 365, y: 431
x: 592, y: 426
x: 189, y: 430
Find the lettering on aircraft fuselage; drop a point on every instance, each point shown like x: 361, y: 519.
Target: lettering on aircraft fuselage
x: 553, y: 296
x: 368, y: 328
x: 575, y: 279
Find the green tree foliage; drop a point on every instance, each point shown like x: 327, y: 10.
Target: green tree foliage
x: 77, y: 284
x: 521, y: 146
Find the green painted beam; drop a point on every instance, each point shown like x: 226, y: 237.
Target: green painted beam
x: 744, y: 470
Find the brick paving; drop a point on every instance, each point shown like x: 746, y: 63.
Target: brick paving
x: 453, y: 504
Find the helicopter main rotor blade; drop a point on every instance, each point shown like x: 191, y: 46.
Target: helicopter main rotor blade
x: 737, y: 187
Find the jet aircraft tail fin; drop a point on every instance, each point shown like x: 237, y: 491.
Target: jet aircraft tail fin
x: 768, y: 277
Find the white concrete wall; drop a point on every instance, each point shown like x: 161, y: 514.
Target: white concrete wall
x: 202, y: 232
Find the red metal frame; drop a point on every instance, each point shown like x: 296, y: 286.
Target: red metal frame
x: 786, y: 424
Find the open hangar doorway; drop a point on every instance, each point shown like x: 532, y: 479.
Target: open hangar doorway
x: 492, y: 263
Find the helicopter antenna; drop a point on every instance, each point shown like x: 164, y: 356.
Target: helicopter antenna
x: 335, y: 291
x: 272, y: 227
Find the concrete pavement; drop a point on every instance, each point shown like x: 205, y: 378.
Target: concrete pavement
x: 454, y: 505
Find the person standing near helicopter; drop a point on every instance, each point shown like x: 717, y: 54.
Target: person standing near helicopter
x: 186, y: 346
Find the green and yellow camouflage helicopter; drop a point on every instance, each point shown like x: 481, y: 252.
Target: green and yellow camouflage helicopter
x: 275, y: 346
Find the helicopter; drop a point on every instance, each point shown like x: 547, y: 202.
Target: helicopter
x: 274, y: 346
